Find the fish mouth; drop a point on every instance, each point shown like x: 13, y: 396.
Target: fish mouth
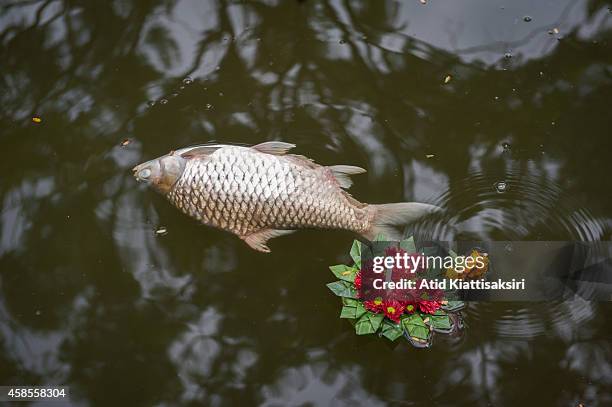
x: 135, y: 171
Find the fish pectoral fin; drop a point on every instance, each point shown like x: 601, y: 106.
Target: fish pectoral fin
x: 273, y: 147
x: 195, y: 151
x: 257, y: 240
x: 342, y: 174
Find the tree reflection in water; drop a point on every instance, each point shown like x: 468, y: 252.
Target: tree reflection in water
x: 92, y: 298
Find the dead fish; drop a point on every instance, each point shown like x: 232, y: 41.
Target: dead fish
x: 262, y: 192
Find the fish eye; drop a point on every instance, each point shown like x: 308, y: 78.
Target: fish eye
x: 144, y: 174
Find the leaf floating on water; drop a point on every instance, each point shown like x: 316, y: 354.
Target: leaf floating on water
x: 161, y: 231
x: 368, y: 323
x: 343, y: 289
x: 343, y: 272
x: 447, y: 79
x: 391, y: 331
x: 36, y: 119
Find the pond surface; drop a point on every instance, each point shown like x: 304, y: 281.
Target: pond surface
x: 497, y: 110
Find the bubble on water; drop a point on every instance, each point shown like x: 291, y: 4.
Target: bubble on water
x: 506, y: 146
x: 38, y: 312
x: 161, y: 231
x: 508, y: 55
x: 187, y: 80
x: 501, y: 186
x: 527, y: 19
x: 496, y: 97
x: 220, y: 93
x: 208, y: 106
x: 163, y: 101
x: 151, y: 103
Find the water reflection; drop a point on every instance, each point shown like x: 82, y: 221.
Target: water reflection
x: 90, y: 296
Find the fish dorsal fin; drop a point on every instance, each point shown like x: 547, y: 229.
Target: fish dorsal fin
x: 203, y: 150
x: 273, y: 147
x: 342, y: 174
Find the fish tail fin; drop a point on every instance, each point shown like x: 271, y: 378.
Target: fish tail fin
x: 388, y: 217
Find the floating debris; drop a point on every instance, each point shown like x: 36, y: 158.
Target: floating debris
x: 36, y: 119
x: 501, y: 187
x: 527, y: 19
x: 125, y: 142
x: 447, y: 79
x: 161, y: 231
x: 429, y: 155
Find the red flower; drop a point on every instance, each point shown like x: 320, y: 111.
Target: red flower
x: 393, y: 310
x: 358, y: 280
x: 375, y: 305
x: 429, y: 307
x: 410, y: 308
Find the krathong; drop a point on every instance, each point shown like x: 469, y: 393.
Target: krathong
x: 416, y: 319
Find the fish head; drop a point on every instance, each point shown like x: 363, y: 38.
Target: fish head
x: 161, y: 173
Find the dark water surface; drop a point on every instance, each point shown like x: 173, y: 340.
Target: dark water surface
x: 516, y: 145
